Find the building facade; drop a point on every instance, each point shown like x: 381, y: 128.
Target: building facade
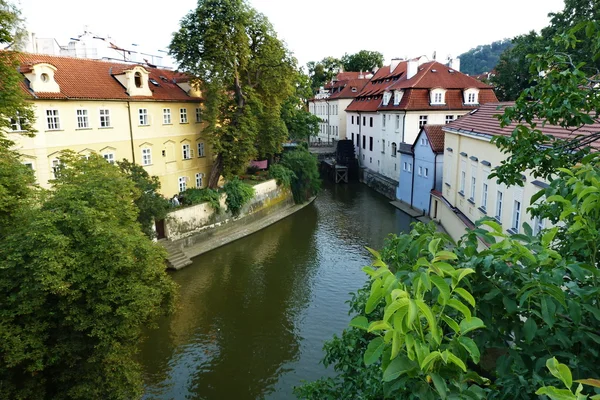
x: 331, y: 102
x: 150, y: 116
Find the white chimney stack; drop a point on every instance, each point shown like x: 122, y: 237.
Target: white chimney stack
x: 455, y: 64
x: 394, y: 64
x: 412, y: 67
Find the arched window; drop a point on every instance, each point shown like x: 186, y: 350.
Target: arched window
x: 394, y: 149
x: 138, y: 80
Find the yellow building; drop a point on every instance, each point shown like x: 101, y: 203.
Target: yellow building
x: 468, y: 194
x: 122, y: 111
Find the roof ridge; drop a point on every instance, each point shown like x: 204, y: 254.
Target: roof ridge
x: 422, y: 75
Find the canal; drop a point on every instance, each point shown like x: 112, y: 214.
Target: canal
x: 253, y: 315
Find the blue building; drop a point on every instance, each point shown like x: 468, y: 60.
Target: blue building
x: 421, y: 168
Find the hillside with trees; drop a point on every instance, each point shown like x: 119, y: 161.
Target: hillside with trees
x: 483, y: 58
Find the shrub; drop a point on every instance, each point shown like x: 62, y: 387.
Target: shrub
x: 197, y: 196
x: 282, y: 175
x: 238, y: 194
x: 307, y: 182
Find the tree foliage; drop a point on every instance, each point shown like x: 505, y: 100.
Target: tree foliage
x: 300, y: 123
x: 306, y: 182
x: 245, y: 72
x: 483, y: 58
x: 238, y: 195
x: 80, y: 280
x: 321, y: 72
x: 364, y: 60
x: 151, y: 205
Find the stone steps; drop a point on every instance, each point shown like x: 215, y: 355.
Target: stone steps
x: 176, y: 258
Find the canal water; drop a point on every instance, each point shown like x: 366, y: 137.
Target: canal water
x: 253, y: 315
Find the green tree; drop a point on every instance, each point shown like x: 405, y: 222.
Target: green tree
x: 80, y: 281
x: 152, y: 206
x: 245, y: 72
x: 14, y: 107
x: 483, y: 58
x: 306, y: 181
x: 364, y: 60
x: 300, y: 123
x: 321, y: 72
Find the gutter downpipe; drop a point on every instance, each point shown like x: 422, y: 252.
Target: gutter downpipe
x: 359, y: 140
x: 131, y: 132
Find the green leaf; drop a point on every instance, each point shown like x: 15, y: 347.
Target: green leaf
x: 375, y: 297
x: 374, y: 350
x: 457, y: 305
x: 548, y: 309
x: 463, y: 272
x: 430, y: 319
x: 471, y: 347
x: 375, y: 253
x: 594, y: 310
x: 556, y: 394
x: 451, y: 323
x: 443, y: 287
x: 379, y: 326
x: 530, y: 328
x: 509, y: 305
x: 445, y: 255
x: 433, y: 246
x: 590, y: 382
x: 440, y: 385
x: 393, y: 307
x: 360, y: 322
x: 399, y: 365
x: 434, y: 355
x: 412, y: 312
x: 470, y: 324
x: 397, y: 342
x: 456, y: 361
x: 593, y: 336
x: 560, y: 371
x: 466, y: 295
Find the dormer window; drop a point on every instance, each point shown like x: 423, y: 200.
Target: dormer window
x: 471, y: 96
x: 438, y: 97
x: 138, y: 80
x: 354, y: 90
x: 45, y: 78
x: 386, y: 98
x: 398, y: 97
x: 41, y: 78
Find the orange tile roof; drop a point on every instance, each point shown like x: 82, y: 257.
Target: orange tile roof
x: 80, y: 78
x: 430, y: 75
x: 343, y: 89
x: 483, y: 122
x: 435, y: 135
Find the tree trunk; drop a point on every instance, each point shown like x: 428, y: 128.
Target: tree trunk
x: 215, y: 172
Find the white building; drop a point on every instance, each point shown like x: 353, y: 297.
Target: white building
x: 399, y: 100
x: 331, y: 102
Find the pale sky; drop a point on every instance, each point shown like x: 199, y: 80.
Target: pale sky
x: 312, y: 29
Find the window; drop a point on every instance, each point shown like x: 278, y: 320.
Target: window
x: 352, y: 120
x: 146, y: 156
x: 420, y: 171
x: 397, y: 97
x: 55, y: 168
x: 104, y: 118
x: 364, y: 142
x: 516, y: 222
x: 394, y: 149
x: 538, y: 225
x: 484, y: 196
x: 426, y: 173
x: 53, y: 120
x: 404, y: 166
x: 383, y: 121
x: 370, y: 160
x: 187, y: 152
x: 183, y: 116
x: 409, y: 167
x: 449, y: 118
x: 110, y: 157
x: 198, y: 114
x: 28, y: 164
x: 437, y: 97
x: 82, y: 119
x: 201, y: 149
x: 364, y: 121
x: 182, y: 185
x: 138, y: 79
x: 370, y: 143
x: 143, y: 115
x: 499, y: 200
x: 199, y: 179
x: 471, y: 98
x: 386, y: 98
x: 397, y: 122
x: 422, y: 121
x: 166, y: 116
x: 463, y: 175
x: 424, y: 141
x: 17, y: 123
x: 371, y: 122
x: 473, y: 183
x: 383, y: 146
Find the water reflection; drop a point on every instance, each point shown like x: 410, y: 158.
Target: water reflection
x: 253, y: 315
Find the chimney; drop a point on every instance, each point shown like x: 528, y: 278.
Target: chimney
x: 455, y: 64
x: 394, y: 64
x: 361, y: 75
x: 375, y: 69
x: 412, y: 67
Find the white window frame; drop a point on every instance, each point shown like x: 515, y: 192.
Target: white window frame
x: 539, y: 224
x: 201, y: 149
x: 29, y: 164
x: 398, y: 122
x: 484, y: 194
x: 409, y: 167
x: 383, y: 146
x: 52, y: 119
x: 426, y: 172
x: 420, y: 171
x: 16, y: 123
x: 449, y: 118
x: 146, y: 156
x: 54, y: 165
x: 473, y: 183
x: 499, y: 204
x: 83, y: 120
x: 104, y: 117
x: 422, y: 121
x: 394, y: 149
x: 517, y: 214
x: 199, y: 180
x: 143, y: 118
x: 471, y: 96
x: 463, y: 176
x: 383, y: 121
x: 167, y: 116
x: 110, y: 157
x: 198, y: 114
x: 183, y: 119
x: 186, y: 151
x: 182, y: 182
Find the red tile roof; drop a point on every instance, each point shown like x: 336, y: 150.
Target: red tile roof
x: 435, y: 135
x: 80, y: 78
x: 430, y: 75
x: 343, y: 89
x: 482, y: 121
